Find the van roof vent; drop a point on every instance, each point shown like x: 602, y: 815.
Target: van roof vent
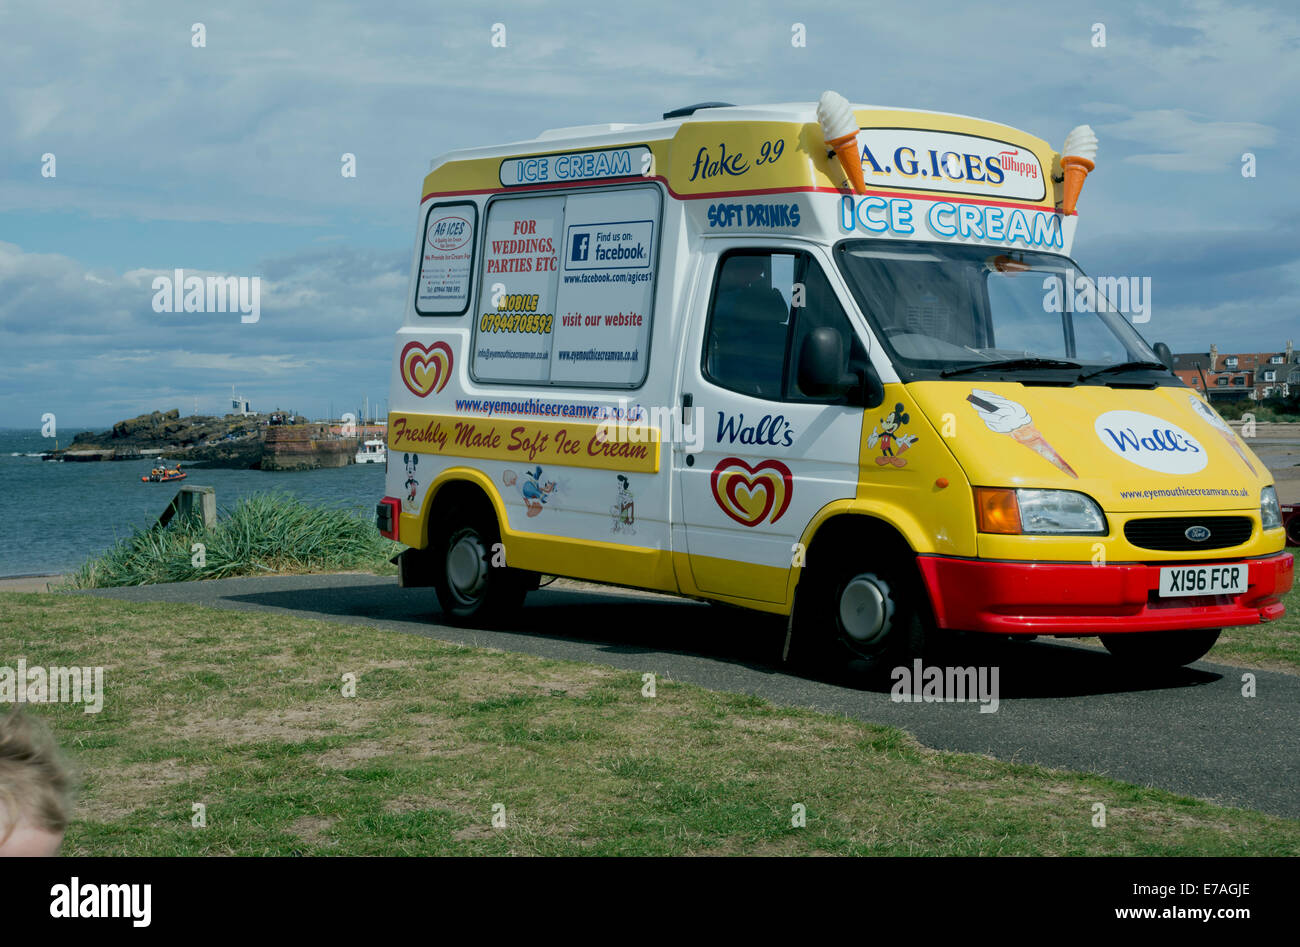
x: 691, y: 109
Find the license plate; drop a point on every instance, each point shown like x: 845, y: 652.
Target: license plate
x: 1203, y: 580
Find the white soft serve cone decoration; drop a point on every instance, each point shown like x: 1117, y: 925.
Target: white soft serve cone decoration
x: 840, y: 131
x: 1078, y: 157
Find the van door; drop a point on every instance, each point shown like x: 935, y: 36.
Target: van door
x: 765, y: 455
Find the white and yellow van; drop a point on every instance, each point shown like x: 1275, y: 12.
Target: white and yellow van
x: 741, y: 357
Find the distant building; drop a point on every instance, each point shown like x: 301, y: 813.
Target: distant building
x: 1240, y: 376
x: 239, y: 405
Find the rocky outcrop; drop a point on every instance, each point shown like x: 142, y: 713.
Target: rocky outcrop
x: 242, y: 454
x: 147, y: 426
x: 235, y: 441
x: 167, y: 429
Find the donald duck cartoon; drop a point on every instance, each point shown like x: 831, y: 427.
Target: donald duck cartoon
x: 533, y: 490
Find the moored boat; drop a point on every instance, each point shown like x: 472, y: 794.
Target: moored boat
x: 372, y: 452
x: 164, y: 474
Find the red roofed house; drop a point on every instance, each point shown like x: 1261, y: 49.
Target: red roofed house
x: 1245, y: 375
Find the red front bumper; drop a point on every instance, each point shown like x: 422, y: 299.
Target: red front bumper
x: 1066, y: 598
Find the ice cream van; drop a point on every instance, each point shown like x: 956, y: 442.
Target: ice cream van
x: 828, y: 361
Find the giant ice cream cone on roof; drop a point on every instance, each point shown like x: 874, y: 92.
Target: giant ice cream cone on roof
x: 840, y: 130
x: 1078, y: 157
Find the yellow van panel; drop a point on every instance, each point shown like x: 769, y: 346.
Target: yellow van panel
x: 607, y: 446
x: 927, y: 497
x: 1063, y: 438
x: 704, y: 158
x: 593, y: 560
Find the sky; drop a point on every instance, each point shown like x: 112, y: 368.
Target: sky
x: 225, y: 159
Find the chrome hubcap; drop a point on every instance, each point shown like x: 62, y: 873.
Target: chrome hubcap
x: 467, y: 567
x: 866, y: 609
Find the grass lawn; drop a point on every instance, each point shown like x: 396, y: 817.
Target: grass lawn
x: 244, y: 713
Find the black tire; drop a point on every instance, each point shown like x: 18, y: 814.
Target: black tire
x: 860, y: 620
x: 471, y: 590
x: 1161, y: 649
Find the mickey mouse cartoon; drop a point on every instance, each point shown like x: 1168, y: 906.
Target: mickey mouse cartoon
x: 411, y: 461
x: 889, y: 438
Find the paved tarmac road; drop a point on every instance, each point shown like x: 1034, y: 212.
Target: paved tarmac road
x: 1061, y: 705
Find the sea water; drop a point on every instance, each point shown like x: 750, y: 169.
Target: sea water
x: 56, y: 515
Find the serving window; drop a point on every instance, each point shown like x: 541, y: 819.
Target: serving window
x: 567, y: 289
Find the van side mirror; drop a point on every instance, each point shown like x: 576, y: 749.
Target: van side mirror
x: 1165, y: 356
x: 873, y: 389
x: 822, y: 365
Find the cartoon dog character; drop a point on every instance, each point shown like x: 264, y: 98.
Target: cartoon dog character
x: 411, y: 461
x: 886, y: 434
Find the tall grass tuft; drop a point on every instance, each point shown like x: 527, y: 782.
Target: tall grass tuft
x: 261, y: 534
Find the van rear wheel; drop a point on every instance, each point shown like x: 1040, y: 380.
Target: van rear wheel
x: 470, y: 588
x: 1157, y: 649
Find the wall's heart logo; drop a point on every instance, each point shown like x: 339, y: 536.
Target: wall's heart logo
x: 749, y: 494
x: 426, y: 369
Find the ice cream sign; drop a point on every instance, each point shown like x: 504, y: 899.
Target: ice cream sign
x: 576, y: 166
x: 918, y: 160
x: 1000, y: 173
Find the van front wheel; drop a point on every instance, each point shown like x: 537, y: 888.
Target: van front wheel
x: 1157, y: 649
x: 471, y: 589
x: 863, y: 621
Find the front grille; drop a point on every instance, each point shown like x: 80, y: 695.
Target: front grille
x: 1169, y: 533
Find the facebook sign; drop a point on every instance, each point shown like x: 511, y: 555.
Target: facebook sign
x: 616, y: 245
x: 581, y: 246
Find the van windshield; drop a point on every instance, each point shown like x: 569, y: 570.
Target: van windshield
x: 940, y: 309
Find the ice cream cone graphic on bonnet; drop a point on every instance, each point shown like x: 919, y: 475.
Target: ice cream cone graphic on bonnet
x: 840, y: 131
x: 1004, y: 416
x: 1078, y: 157
x: 1220, y: 425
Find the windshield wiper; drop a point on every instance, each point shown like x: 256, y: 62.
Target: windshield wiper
x: 1124, y: 367
x: 1010, y: 363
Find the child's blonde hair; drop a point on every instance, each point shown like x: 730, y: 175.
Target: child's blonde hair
x: 35, y: 785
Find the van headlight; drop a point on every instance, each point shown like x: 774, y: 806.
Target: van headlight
x: 1038, y: 512
x: 1270, y: 514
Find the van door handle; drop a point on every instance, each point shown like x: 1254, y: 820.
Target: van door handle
x: 688, y: 402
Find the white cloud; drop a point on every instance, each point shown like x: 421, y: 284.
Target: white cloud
x: 1185, y: 142
x: 243, y: 365
x: 77, y: 340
